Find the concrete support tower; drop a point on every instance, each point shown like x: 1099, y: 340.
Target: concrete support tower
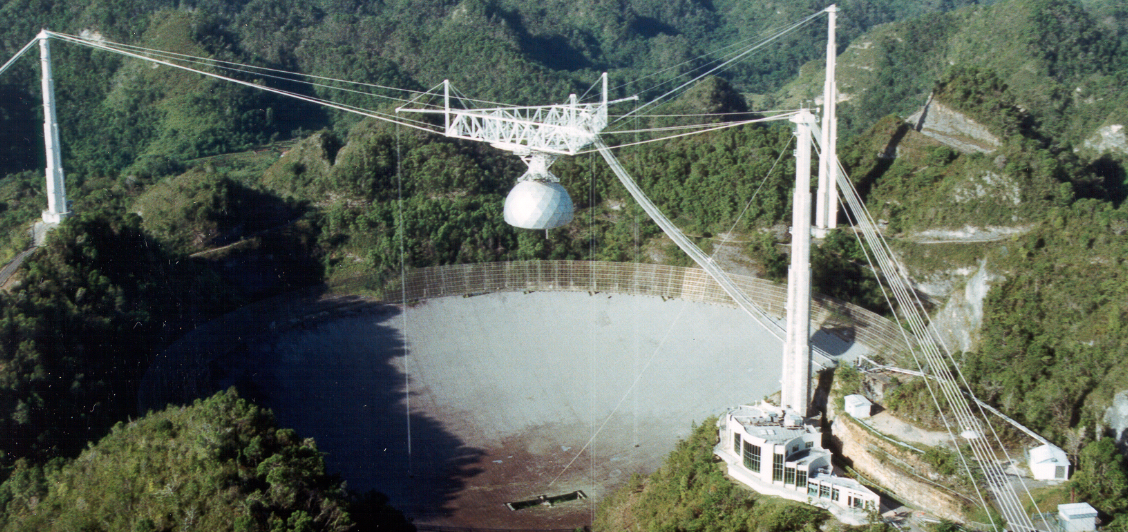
x: 56, y: 189
x: 797, y: 348
x: 826, y: 203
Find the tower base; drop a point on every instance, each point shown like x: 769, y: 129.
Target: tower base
x: 54, y: 217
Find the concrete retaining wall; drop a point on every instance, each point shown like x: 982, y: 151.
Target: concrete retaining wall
x: 887, y: 464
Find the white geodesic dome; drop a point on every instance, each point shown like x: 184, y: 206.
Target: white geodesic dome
x: 535, y: 204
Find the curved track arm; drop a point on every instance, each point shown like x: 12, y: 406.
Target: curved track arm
x: 687, y: 245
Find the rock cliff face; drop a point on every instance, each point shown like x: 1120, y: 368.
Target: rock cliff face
x: 888, y: 465
x: 1109, y: 138
x: 959, y: 320
x: 1116, y: 417
x: 953, y: 128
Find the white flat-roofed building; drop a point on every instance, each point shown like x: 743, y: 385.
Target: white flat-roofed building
x: 1049, y: 463
x: 858, y: 406
x: 1077, y: 517
x: 842, y: 491
x: 769, y: 451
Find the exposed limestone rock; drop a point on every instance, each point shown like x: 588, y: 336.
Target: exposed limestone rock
x: 953, y: 128
x: 1108, y: 139
x: 990, y: 233
x: 958, y: 322
x: 896, y: 469
x: 1116, y: 417
x: 989, y: 184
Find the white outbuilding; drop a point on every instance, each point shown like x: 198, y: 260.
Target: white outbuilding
x: 1049, y: 463
x: 1077, y: 517
x: 858, y: 406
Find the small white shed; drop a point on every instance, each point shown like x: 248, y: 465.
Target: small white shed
x: 1049, y: 463
x: 1077, y: 517
x: 858, y: 406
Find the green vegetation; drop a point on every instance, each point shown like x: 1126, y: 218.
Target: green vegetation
x: 1102, y: 477
x: 1057, y: 322
x: 1051, y: 348
x: 839, y: 269
x: 763, y: 249
x: 912, y: 401
x: 507, y: 50
x: 170, y: 235
x: 199, y: 210
x: 219, y: 464
x: 21, y: 199
x: 1059, y: 60
x: 78, y: 330
x: 453, y: 194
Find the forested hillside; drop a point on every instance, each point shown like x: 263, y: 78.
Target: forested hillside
x: 196, y: 196
x: 1063, y: 64
x: 1045, y: 78
x: 218, y: 464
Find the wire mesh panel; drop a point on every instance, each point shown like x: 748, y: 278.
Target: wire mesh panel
x: 692, y: 284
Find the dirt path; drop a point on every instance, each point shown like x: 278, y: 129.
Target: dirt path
x: 889, y: 425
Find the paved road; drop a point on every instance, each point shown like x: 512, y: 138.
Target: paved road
x: 38, y: 237
x: 11, y: 267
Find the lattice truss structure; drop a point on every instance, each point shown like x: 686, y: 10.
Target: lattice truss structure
x: 557, y: 130
x: 540, y: 134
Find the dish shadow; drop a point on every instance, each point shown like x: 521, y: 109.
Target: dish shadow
x: 335, y: 376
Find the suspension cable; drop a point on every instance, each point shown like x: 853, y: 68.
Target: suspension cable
x: 231, y: 63
x: 938, y: 359
x: 310, y: 99
x: 735, y: 58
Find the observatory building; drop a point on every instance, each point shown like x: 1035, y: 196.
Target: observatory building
x: 777, y: 452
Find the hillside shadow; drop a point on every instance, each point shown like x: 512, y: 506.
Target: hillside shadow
x: 1112, y: 180
x: 19, y: 135
x: 336, y: 376
x: 885, y: 159
x: 649, y: 27
x: 553, y: 51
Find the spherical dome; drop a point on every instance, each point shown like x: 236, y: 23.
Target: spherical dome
x: 536, y: 204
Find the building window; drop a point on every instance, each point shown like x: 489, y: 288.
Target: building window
x: 812, y: 490
x: 789, y: 475
x: 1059, y: 472
x: 777, y: 468
x: 752, y: 457
x: 824, y: 491
x: 808, y: 445
x: 800, y: 478
x: 834, y: 494
x: 856, y: 502
x: 736, y: 442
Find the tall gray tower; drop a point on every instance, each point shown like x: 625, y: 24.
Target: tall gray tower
x: 797, y: 348
x: 56, y: 188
